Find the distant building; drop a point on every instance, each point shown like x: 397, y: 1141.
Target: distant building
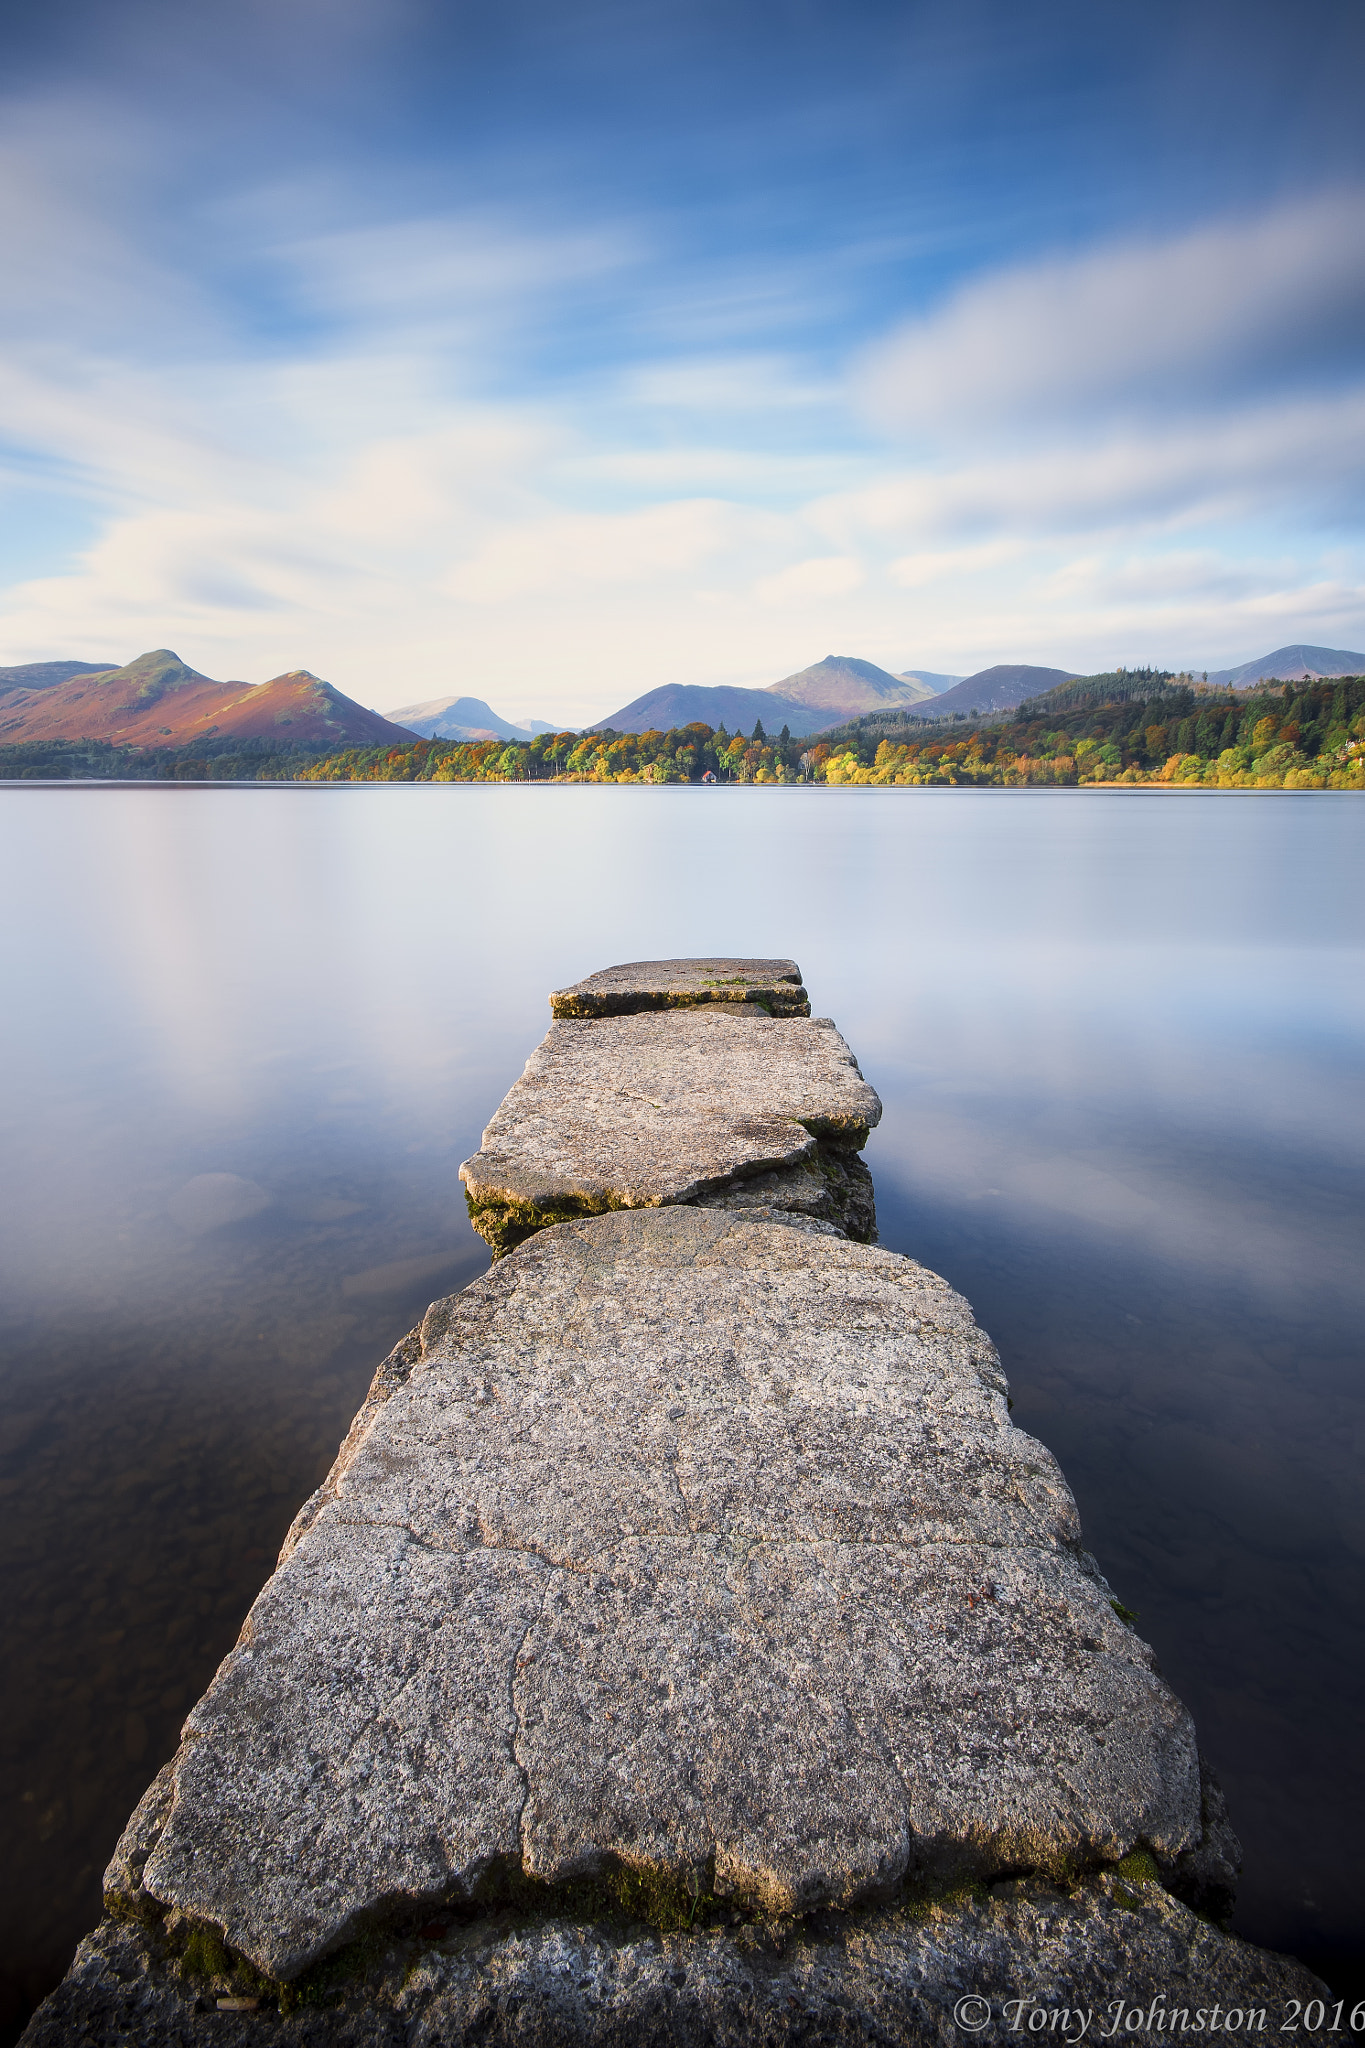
x: 708, y: 776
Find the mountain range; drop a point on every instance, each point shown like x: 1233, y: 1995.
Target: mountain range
x: 841, y: 686
x: 159, y: 701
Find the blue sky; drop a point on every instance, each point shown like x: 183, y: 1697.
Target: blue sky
x: 552, y: 353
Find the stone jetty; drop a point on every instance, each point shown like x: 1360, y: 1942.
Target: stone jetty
x: 685, y: 1646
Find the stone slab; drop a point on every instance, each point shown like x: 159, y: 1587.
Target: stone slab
x: 678, y: 984
x: 682, y: 1543
x: 668, y: 1107
x: 887, y: 1978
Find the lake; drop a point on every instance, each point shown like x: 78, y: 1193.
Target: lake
x: 250, y: 1033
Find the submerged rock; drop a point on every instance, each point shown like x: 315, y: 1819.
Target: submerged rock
x: 774, y: 985
x: 638, y: 1111
x: 211, y: 1201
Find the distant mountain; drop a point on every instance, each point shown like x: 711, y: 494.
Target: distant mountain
x: 1292, y: 665
x: 844, y: 686
x: 714, y: 704
x: 159, y: 701
x: 992, y: 689
x: 932, y: 683
x: 465, y: 718
x: 42, y: 675
x: 829, y: 691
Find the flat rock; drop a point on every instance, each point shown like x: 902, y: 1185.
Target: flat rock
x: 678, y: 984
x: 679, y: 1543
x: 638, y: 1111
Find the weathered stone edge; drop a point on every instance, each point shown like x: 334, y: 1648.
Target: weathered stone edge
x: 505, y: 1216
x: 885, y: 1975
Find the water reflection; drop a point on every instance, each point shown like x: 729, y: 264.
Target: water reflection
x: 255, y: 1031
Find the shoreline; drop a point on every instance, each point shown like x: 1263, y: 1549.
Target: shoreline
x: 572, y: 782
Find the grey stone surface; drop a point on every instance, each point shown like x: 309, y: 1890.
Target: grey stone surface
x: 892, y: 1977
x: 688, y: 1544
x: 637, y: 1111
x: 831, y: 1191
x: 677, y: 984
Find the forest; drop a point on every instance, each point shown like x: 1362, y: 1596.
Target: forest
x: 1129, y: 726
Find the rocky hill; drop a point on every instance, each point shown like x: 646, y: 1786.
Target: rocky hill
x: 160, y: 701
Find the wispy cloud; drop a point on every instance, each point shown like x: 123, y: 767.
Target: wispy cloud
x: 1196, y: 319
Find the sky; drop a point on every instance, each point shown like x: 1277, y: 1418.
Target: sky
x: 549, y: 353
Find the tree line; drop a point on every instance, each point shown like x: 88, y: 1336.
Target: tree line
x: 1130, y: 727
x: 685, y: 753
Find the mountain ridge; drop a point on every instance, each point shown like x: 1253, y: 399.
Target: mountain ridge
x: 159, y: 701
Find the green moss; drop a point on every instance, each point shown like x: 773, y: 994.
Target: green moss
x: 1125, y: 1614
x: 1137, y: 1867
x: 921, y: 1900
x: 644, y: 1892
x: 205, y: 1954
x: 206, y: 1958
x: 662, y: 1898
x: 505, y: 1224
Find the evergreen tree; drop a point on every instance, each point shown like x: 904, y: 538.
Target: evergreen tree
x: 758, y: 737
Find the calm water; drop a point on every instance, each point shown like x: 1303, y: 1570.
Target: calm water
x: 250, y: 1034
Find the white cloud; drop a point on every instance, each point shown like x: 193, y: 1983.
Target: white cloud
x: 1137, y: 325
x: 725, y: 384
x: 452, y: 272
x: 821, y: 577
x: 928, y: 566
x: 574, y: 551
